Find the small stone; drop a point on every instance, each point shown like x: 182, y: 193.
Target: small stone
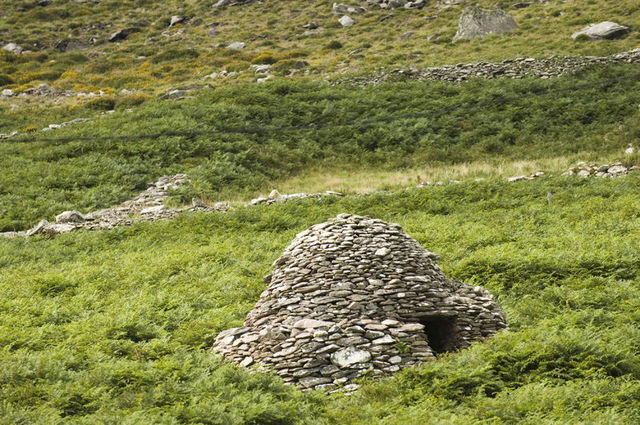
x: 247, y: 361
x: 346, y: 21
x: 395, y: 360
x: 382, y: 252
x: 237, y: 45
x: 176, y: 19
x: 13, y: 48
x: 350, y: 356
x: 154, y: 210
x: 387, y: 339
x: 411, y: 327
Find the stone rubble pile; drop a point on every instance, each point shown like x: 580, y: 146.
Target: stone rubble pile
x: 602, y: 31
x: 550, y: 67
x: 582, y: 169
x: 276, y: 197
x: 148, y: 206
x: 356, y: 296
x: 526, y: 177
x: 476, y: 22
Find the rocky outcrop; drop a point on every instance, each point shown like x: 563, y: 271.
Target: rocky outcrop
x: 356, y: 296
x: 346, y: 21
x: 550, y: 67
x: 122, y: 34
x: 478, y: 23
x: 602, y: 31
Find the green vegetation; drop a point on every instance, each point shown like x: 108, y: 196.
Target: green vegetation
x: 115, y: 327
x: 43, y: 178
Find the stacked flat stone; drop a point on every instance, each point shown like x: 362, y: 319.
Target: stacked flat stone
x: 356, y: 296
x: 550, y: 67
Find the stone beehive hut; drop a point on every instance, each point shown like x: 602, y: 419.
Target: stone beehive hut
x: 357, y: 295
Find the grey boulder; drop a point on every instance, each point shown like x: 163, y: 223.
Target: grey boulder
x: 346, y: 21
x: 478, y: 23
x: 13, y: 48
x: 602, y: 31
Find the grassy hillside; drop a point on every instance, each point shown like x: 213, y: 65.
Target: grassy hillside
x: 42, y: 178
x: 158, y: 55
x: 115, y: 327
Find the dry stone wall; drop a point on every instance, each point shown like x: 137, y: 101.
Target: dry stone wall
x: 550, y: 67
x: 356, y: 296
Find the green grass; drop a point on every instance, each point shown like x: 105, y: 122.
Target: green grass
x: 116, y: 326
x: 40, y: 179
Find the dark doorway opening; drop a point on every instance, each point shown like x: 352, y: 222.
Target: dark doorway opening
x: 442, y: 333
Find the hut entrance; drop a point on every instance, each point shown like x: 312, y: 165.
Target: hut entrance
x: 442, y: 333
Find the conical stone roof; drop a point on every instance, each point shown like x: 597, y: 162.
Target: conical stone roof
x: 357, y: 295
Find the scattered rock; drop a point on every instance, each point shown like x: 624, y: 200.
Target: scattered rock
x: 264, y: 79
x: 261, y: 69
x: 582, y: 169
x: 70, y: 217
x: 343, y: 9
x: 8, y: 93
x: 13, y: 48
x: 51, y: 229
x: 45, y: 90
x: 397, y: 4
x: 174, y: 94
x: 122, y: 34
x: 236, y: 45
x: 346, y: 21
x: 478, y: 23
x: 335, y: 309
x: 289, y: 197
x: 602, y: 31
x: 529, y: 177
x: 177, y: 19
